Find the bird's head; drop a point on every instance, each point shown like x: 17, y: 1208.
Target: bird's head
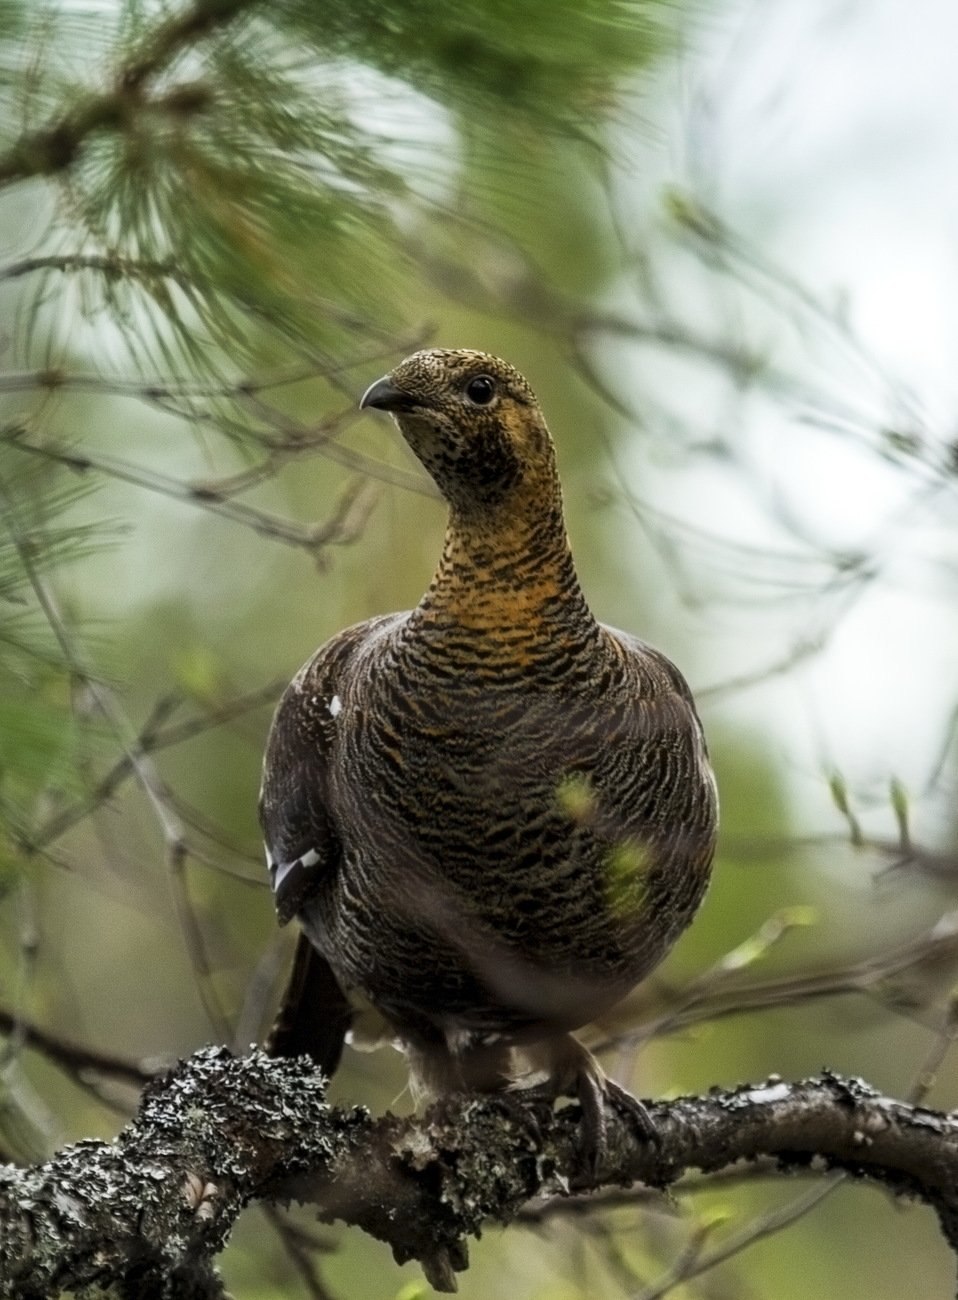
x: 475, y: 424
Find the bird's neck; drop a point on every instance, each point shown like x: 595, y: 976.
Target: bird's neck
x: 507, y: 579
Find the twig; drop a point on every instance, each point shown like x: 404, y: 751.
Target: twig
x: 927, y: 1074
x: 299, y: 1246
x: 313, y: 538
x: 76, y: 1058
x: 177, y: 856
x: 719, y: 993
x: 695, y: 1260
x: 174, y: 837
x: 154, y: 735
x: 536, y: 1215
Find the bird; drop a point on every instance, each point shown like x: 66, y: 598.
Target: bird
x: 492, y: 815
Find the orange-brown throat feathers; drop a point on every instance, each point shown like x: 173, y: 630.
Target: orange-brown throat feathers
x: 508, y: 568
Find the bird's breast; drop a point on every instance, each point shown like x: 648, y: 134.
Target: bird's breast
x: 518, y: 804
x: 506, y: 833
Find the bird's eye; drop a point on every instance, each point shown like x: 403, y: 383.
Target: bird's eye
x: 481, y: 390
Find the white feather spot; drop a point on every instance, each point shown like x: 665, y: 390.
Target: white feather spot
x: 269, y: 858
x: 306, y: 859
x: 335, y: 707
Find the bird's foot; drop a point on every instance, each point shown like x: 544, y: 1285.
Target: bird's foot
x: 596, y: 1092
x: 577, y: 1073
x: 526, y: 1108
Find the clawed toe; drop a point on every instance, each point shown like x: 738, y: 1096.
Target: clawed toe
x: 525, y: 1108
x: 633, y: 1110
x: 595, y: 1091
x: 571, y: 1070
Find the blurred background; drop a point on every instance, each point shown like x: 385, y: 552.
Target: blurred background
x: 719, y: 240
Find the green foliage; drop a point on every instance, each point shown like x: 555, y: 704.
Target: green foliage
x: 45, y: 730
x: 228, y: 166
x: 555, y: 65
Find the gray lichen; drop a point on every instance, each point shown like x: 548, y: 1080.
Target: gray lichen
x: 113, y: 1210
x: 148, y: 1213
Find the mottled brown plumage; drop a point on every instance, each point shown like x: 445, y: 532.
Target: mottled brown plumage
x: 492, y: 814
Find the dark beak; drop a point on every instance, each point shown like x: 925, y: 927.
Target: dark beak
x: 385, y: 396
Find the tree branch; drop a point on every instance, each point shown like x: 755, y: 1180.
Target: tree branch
x: 76, y: 1058
x: 152, y: 1209
x: 54, y: 147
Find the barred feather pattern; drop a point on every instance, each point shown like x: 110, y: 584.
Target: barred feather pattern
x: 508, y: 807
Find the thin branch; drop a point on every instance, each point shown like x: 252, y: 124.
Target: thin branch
x: 927, y: 1075
x: 300, y: 1247
x: 174, y: 836
x: 103, y: 698
x: 108, y: 264
x: 720, y: 993
x: 804, y: 648
x: 301, y: 437
x: 313, y: 538
x: 52, y: 379
x: 152, y: 737
x: 695, y: 1260
x: 76, y: 1058
x: 177, y: 860
x: 573, y: 1206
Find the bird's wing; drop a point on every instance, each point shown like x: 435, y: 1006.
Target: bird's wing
x: 300, y: 838
x: 669, y: 776
x: 302, y: 844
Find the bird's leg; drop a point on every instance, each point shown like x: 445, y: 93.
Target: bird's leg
x: 445, y: 1070
x: 443, y: 1064
x: 525, y: 1108
x: 594, y: 1094
x: 574, y: 1072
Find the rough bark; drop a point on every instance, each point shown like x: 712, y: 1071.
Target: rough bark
x: 149, y: 1212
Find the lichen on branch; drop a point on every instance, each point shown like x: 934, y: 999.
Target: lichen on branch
x: 152, y: 1209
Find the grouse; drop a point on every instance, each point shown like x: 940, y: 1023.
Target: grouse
x: 492, y: 815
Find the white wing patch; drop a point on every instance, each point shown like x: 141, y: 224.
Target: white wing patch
x: 335, y: 707
x: 282, y: 869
